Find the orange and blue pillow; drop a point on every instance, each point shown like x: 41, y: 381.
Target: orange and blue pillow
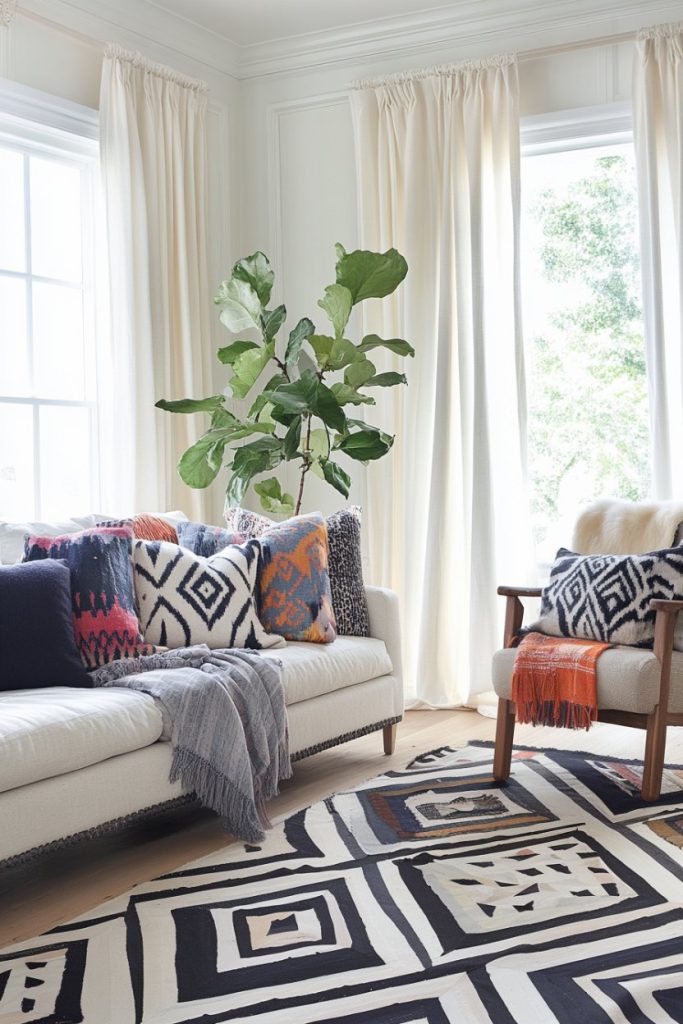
x: 102, y: 591
x: 294, y: 585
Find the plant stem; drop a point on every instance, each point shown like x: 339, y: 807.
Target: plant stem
x: 306, y: 465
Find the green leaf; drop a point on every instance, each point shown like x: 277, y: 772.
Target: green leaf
x: 221, y: 418
x: 292, y: 438
x: 244, y: 430
x: 327, y: 408
x: 262, y: 400
x: 357, y: 374
x: 337, y: 303
x: 272, y: 498
x: 241, y: 306
x: 336, y: 476
x: 297, y: 397
x: 342, y: 353
x: 248, y: 368
x: 256, y: 271
x: 319, y: 445
x: 236, y: 489
x: 397, y: 345
x: 303, y: 330
x: 365, y: 445
x: 200, y: 464
x: 369, y: 275
x: 256, y: 457
x: 188, y: 405
x: 230, y: 353
x: 347, y: 395
x: 322, y: 346
x: 386, y: 380
x: 304, y: 363
x: 273, y: 320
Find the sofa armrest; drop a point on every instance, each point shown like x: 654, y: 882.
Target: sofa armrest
x: 385, y: 623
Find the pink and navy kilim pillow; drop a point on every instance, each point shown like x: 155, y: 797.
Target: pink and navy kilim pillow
x: 294, y: 587
x: 102, y: 591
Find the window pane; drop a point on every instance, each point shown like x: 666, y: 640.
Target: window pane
x: 15, y: 371
x: 58, y: 341
x: 12, y: 235
x: 55, y: 219
x: 17, y: 499
x: 588, y: 406
x: 65, y: 462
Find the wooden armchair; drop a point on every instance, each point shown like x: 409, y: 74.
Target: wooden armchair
x: 639, y: 688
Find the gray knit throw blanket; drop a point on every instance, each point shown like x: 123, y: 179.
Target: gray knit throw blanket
x: 228, y: 726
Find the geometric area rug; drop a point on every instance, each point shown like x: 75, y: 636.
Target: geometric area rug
x: 425, y: 896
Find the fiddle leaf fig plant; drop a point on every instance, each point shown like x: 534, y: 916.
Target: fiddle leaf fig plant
x: 307, y: 410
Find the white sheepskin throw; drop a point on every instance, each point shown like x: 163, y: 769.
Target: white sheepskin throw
x: 610, y: 527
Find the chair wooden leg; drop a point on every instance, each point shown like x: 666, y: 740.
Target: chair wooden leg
x: 505, y: 733
x: 655, y: 747
x: 389, y: 733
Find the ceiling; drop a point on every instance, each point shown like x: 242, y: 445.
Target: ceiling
x: 249, y: 22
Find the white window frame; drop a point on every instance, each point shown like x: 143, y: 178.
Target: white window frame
x: 35, y: 123
x: 580, y: 128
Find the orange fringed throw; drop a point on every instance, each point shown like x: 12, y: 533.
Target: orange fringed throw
x: 554, y: 681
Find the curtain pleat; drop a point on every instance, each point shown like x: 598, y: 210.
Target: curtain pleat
x: 658, y: 131
x: 447, y: 512
x: 153, y: 153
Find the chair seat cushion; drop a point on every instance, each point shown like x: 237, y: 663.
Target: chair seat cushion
x: 628, y: 679
x: 48, y: 732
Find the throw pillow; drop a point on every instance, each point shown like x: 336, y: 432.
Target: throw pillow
x: 344, y: 562
x: 146, y: 527
x: 102, y: 592
x: 294, y: 588
x: 37, y: 643
x: 185, y: 599
x: 206, y: 540
x: 607, y: 597
x: 13, y: 535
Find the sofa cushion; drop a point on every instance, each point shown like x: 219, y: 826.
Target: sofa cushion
x: 628, y: 679
x: 310, y: 670
x: 37, y: 642
x: 48, y: 732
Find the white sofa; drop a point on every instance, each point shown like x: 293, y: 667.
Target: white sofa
x: 74, y: 762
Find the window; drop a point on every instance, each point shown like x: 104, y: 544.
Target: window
x: 588, y: 424
x: 48, y: 353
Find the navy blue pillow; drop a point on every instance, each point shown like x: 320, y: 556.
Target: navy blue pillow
x: 205, y: 540
x: 37, y: 642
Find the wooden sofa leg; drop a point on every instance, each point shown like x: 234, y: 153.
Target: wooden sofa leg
x: 389, y: 734
x: 505, y: 734
x: 655, y: 748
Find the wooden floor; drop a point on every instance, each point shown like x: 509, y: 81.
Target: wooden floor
x: 57, y: 887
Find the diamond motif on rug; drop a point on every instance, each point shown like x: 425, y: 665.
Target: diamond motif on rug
x: 426, y: 896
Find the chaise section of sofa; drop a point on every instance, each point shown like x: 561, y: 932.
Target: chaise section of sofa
x: 80, y: 762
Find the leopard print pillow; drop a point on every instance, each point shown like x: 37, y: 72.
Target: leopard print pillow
x: 344, y: 562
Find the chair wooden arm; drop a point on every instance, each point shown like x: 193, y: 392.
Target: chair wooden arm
x: 514, y: 610
x: 668, y: 607
x: 519, y: 591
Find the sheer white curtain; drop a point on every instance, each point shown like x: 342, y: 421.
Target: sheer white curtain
x: 153, y: 152
x: 658, y: 124
x: 446, y: 513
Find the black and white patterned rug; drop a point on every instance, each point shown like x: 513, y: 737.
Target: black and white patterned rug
x: 428, y: 896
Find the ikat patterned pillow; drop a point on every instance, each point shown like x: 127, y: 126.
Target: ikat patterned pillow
x: 294, y: 586
x: 206, y: 540
x: 185, y: 599
x: 344, y: 562
x: 607, y: 597
x: 102, y: 592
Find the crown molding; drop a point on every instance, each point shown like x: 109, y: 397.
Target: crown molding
x: 467, y: 27
x: 463, y: 28
x: 136, y: 22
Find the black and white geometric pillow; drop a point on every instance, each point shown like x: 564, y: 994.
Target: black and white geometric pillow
x: 607, y: 597
x: 184, y: 599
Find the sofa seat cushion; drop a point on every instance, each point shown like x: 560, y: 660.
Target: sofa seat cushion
x: 48, y: 732
x: 310, y: 670
x: 628, y: 679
